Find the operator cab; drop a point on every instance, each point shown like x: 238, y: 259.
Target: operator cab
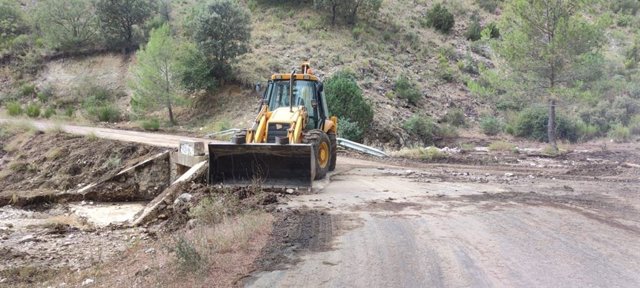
x: 307, y: 91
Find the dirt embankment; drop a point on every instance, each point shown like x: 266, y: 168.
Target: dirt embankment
x: 36, y: 163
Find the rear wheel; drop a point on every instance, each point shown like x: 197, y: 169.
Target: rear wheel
x: 321, y: 150
x: 240, y: 137
x: 334, y: 151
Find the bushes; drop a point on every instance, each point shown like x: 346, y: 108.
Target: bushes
x: 14, y: 108
x: 629, y: 7
x: 474, y: 32
x: 440, y: 19
x: 105, y: 113
x: 455, y: 117
x: 49, y: 112
x: 45, y: 94
x: 490, y: 125
x: 502, y: 146
x: 98, y: 103
x: 344, y: 98
x: 619, y: 133
x: 33, y: 110
x: 489, y: 5
x: 491, y: 31
x: 532, y: 123
x: 27, y: 90
x: 422, y: 127
x: 634, y: 125
x: 406, y: 89
x: 187, y: 256
x: 151, y: 124
x: 350, y: 130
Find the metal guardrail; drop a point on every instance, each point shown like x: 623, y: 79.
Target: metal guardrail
x: 360, y: 147
x: 222, y: 133
x: 341, y: 142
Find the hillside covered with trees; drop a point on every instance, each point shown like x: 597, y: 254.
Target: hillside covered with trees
x: 398, y: 72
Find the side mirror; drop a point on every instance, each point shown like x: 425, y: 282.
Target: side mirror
x: 320, y: 87
x: 314, y: 104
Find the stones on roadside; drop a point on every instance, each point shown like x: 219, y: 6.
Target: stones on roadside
x: 193, y: 223
x: 269, y: 199
x: 143, y: 272
x: 150, y: 251
x: 182, y: 204
x: 28, y: 238
x: 87, y: 282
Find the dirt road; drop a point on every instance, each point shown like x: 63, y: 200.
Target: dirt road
x: 155, y: 139
x: 479, y: 228
x: 571, y: 222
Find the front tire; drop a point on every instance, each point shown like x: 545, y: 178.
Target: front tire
x: 334, y: 151
x: 321, y: 150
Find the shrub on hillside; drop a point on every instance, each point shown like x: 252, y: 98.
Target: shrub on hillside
x: 490, y: 125
x: 620, y: 133
x: 345, y: 99
x: 350, y: 130
x: 45, y: 94
x: 193, y: 70
x: 492, y: 30
x: 27, y: 90
x: 422, y: 127
x: 33, y: 110
x: 67, y: 25
x: 14, y: 108
x: 49, y: 112
x: 532, y: 123
x: 629, y: 7
x: 98, y: 103
x: 105, y: 113
x: 12, y: 21
x: 489, y: 5
x: 152, y: 124
x: 406, y: 89
x: 634, y: 125
x: 474, y: 32
x: 607, y: 113
x: 118, y: 20
x: 586, y: 131
x: 440, y: 18
x: 211, y: 27
x: 455, y: 117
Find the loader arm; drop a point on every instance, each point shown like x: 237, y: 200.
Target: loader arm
x: 258, y: 132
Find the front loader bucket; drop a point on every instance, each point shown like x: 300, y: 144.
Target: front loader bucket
x: 268, y: 165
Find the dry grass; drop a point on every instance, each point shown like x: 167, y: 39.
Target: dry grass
x: 55, y: 129
x: 71, y: 221
x: 227, y: 251
x: 54, y: 153
x: 502, y: 146
x: 429, y: 153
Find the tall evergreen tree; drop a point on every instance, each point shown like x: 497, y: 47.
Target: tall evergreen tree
x: 545, y: 44
x: 154, y: 81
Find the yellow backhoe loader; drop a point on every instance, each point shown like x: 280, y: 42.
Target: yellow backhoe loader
x: 292, y: 142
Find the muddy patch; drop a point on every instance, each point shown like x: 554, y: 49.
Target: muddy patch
x: 388, y: 205
x: 294, y: 232
x: 596, y: 170
x: 601, y: 209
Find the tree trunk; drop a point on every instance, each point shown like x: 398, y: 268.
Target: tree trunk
x: 551, y: 129
x: 333, y: 14
x: 173, y: 121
